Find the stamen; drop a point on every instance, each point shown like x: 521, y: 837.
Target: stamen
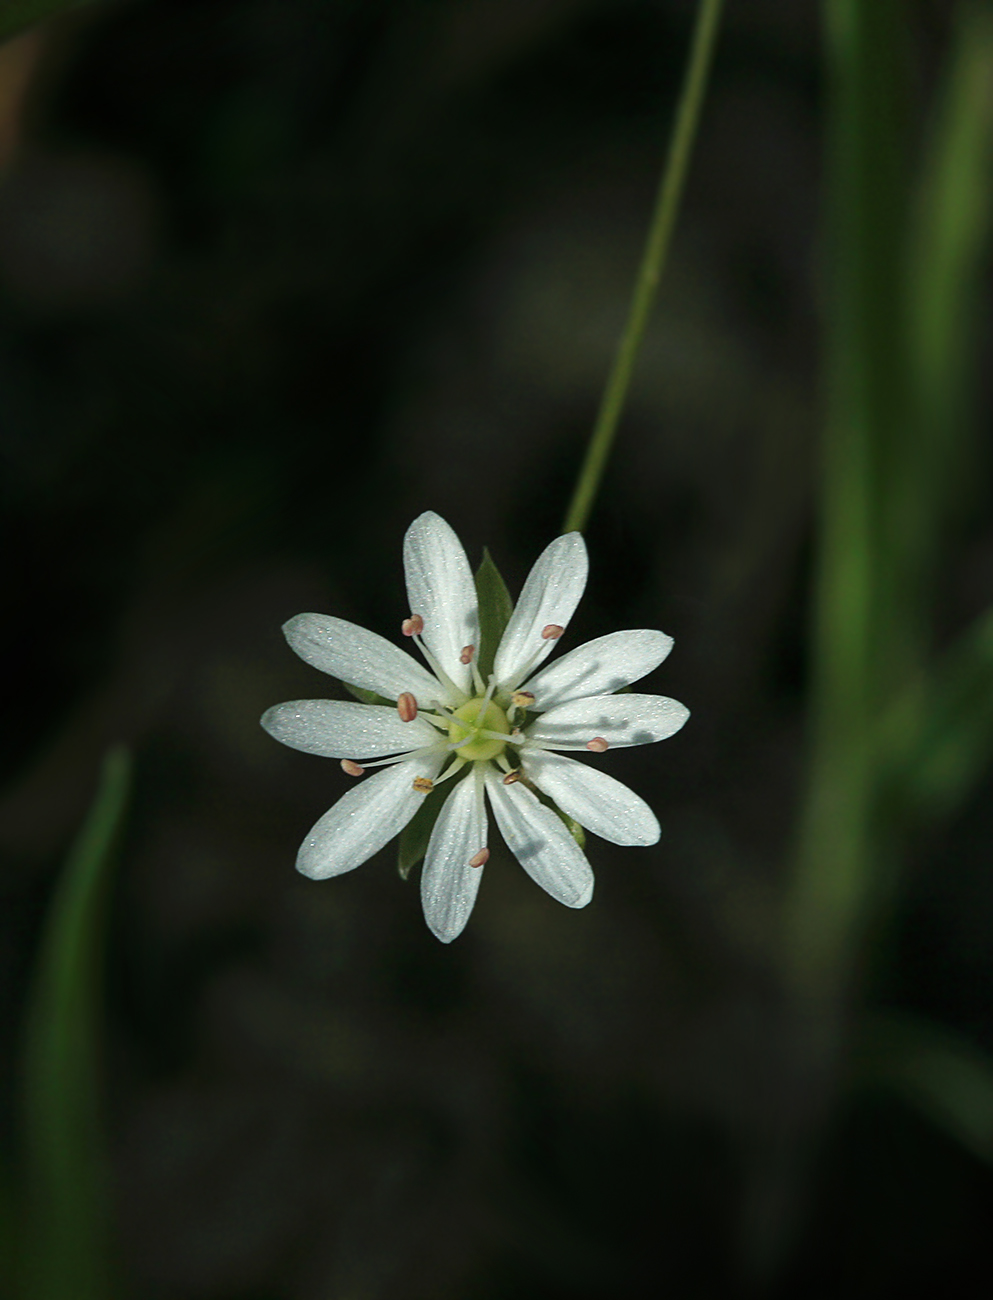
x: 551, y: 632
x: 350, y: 768
x: 457, y: 766
x: 407, y: 707
x: 467, y: 653
x: 597, y: 745
x: 423, y: 784
x: 487, y: 697
x: 412, y: 626
x: 511, y: 777
x: 438, y: 748
x: 454, y: 692
x: 480, y: 859
x: 523, y: 699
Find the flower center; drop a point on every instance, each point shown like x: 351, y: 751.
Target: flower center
x: 470, y: 720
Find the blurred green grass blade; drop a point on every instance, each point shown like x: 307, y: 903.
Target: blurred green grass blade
x: 17, y: 15
x: 495, y: 609
x: 938, y: 1072
x: 951, y: 724
x: 859, y: 631
x: 67, y: 1237
x: 8, y: 1254
x: 948, y: 254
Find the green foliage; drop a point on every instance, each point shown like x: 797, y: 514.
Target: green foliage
x: 948, y: 252
x: 67, y: 1238
x: 495, y: 609
x: 953, y: 739
x: 16, y: 15
x: 898, y: 738
x: 415, y: 835
x: 939, y: 1073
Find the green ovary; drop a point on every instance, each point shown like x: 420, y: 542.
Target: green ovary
x: 470, y: 722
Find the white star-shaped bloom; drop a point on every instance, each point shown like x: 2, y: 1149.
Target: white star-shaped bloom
x: 502, y: 738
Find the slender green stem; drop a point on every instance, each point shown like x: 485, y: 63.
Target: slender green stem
x: 652, y: 263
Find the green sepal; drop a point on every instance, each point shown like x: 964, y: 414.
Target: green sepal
x: 495, y: 609
x: 415, y: 835
x: 367, y: 697
x: 571, y: 825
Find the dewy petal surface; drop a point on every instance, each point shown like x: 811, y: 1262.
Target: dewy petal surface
x: 540, y: 842
x: 341, y: 729
x: 551, y: 594
x: 441, y: 590
x: 448, y: 884
x: 597, y: 801
x: 359, y: 657
x: 619, y: 719
x: 599, y: 667
x: 365, y: 818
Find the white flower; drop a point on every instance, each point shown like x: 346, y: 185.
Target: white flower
x: 500, y: 736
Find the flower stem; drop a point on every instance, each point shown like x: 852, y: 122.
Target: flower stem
x: 652, y: 264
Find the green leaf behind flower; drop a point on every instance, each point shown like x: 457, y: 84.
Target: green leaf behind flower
x: 495, y: 609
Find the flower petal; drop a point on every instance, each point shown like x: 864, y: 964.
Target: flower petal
x: 448, y: 884
x: 550, y: 596
x: 359, y: 657
x: 340, y: 729
x: 604, y: 806
x: 365, y: 818
x: 599, y: 667
x: 618, y: 719
x: 441, y: 590
x: 540, y: 842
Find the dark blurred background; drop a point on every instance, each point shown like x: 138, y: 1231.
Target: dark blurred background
x: 276, y: 276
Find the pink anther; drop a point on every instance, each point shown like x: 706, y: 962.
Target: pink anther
x: 350, y: 768
x: 480, y: 859
x: 412, y: 626
x: 551, y: 632
x: 407, y: 707
x: 598, y: 745
x: 467, y: 653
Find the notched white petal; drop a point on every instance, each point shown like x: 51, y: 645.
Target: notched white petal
x: 618, y: 719
x: 540, y: 842
x: 597, y: 801
x: 450, y: 881
x: 365, y: 818
x: 441, y: 591
x: 600, y: 667
x: 342, y: 729
x: 359, y: 657
x: 549, y: 599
